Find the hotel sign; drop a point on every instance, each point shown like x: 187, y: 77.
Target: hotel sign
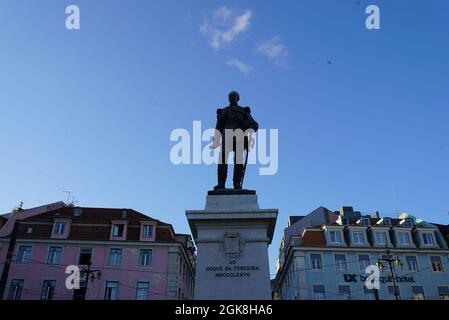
x: 359, y: 277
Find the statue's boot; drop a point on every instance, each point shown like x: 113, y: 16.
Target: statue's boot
x: 222, y: 173
x: 237, y: 179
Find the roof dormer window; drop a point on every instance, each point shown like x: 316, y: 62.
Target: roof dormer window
x: 61, y: 229
x: 117, y: 231
x: 428, y: 238
x: 386, y: 222
x: 408, y: 223
x: 365, y: 222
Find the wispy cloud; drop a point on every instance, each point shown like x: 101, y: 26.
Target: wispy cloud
x: 225, y: 26
x: 241, y: 66
x: 274, y: 50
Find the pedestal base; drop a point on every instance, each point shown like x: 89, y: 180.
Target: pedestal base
x: 232, y: 236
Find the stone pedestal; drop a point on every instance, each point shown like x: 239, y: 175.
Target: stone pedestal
x: 232, y: 235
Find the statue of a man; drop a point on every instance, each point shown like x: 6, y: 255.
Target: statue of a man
x: 234, y: 126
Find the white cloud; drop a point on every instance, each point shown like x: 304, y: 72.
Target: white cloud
x: 241, y: 66
x: 225, y: 26
x: 274, y: 50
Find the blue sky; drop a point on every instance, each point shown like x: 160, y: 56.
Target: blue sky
x: 362, y: 115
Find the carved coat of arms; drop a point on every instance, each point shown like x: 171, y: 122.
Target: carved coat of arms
x: 232, y: 246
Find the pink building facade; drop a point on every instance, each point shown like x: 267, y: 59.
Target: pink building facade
x: 130, y: 255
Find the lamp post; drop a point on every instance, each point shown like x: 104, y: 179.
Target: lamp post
x: 390, y: 259
x: 90, y: 275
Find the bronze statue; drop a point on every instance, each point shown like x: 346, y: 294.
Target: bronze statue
x: 234, y: 127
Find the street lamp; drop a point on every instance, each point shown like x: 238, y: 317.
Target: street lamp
x: 90, y: 275
x: 390, y: 259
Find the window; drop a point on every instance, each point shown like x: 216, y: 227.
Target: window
x: 340, y: 262
x: 417, y: 293
x: 364, y: 262
x: 117, y: 230
x: 427, y: 238
x: 15, y: 289
x: 370, y: 294
x: 319, y: 292
x: 59, y: 228
x: 143, y: 290
x: 366, y: 222
x: 111, y: 292
x: 315, y: 261
x: 412, y: 263
x: 358, y: 237
x: 24, y: 254
x: 408, y: 223
x: 335, y: 236
x: 115, y: 257
x: 145, y: 258
x: 54, y: 255
x: 85, y: 256
x: 386, y: 222
x: 381, y: 237
x: 391, y: 292
x: 344, y: 292
x: 147, y: 231
x: 48, y: 289
x: 404, y: 238
x: 443, y: 293
x: 437, y: 265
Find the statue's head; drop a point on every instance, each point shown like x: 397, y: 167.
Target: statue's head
x: 234, y: 97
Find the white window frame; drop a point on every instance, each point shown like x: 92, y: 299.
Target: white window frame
x: 335, y: 232
x: 359, y: 260
x: 423, y: 292
x: 150, y: 258
x: 445, y: 297
x: 121, y: 257
x: 432, y: 237
x: 149, y: 227
x: 115, y: 227
x: 42, y: 296
x: 340, y: 295
x: 377, y: 232
x: 416, y: 260
x: 354, y: 238
x: 27, y: 259
x: 312, y: 265
x: 441, y: 264
x: 137, y: 289
x: 337, y: 265
x: 409, y: 237
x: 52, y: 262
x: 60, y: 228
x: 18, y: 292
x: 323, y: 293
x: 106, y: 289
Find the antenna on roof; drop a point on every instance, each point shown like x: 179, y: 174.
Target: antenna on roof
x: 68, y: 196
x: 72, y: 204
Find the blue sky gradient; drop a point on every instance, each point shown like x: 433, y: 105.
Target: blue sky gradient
x: 362, y: 115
